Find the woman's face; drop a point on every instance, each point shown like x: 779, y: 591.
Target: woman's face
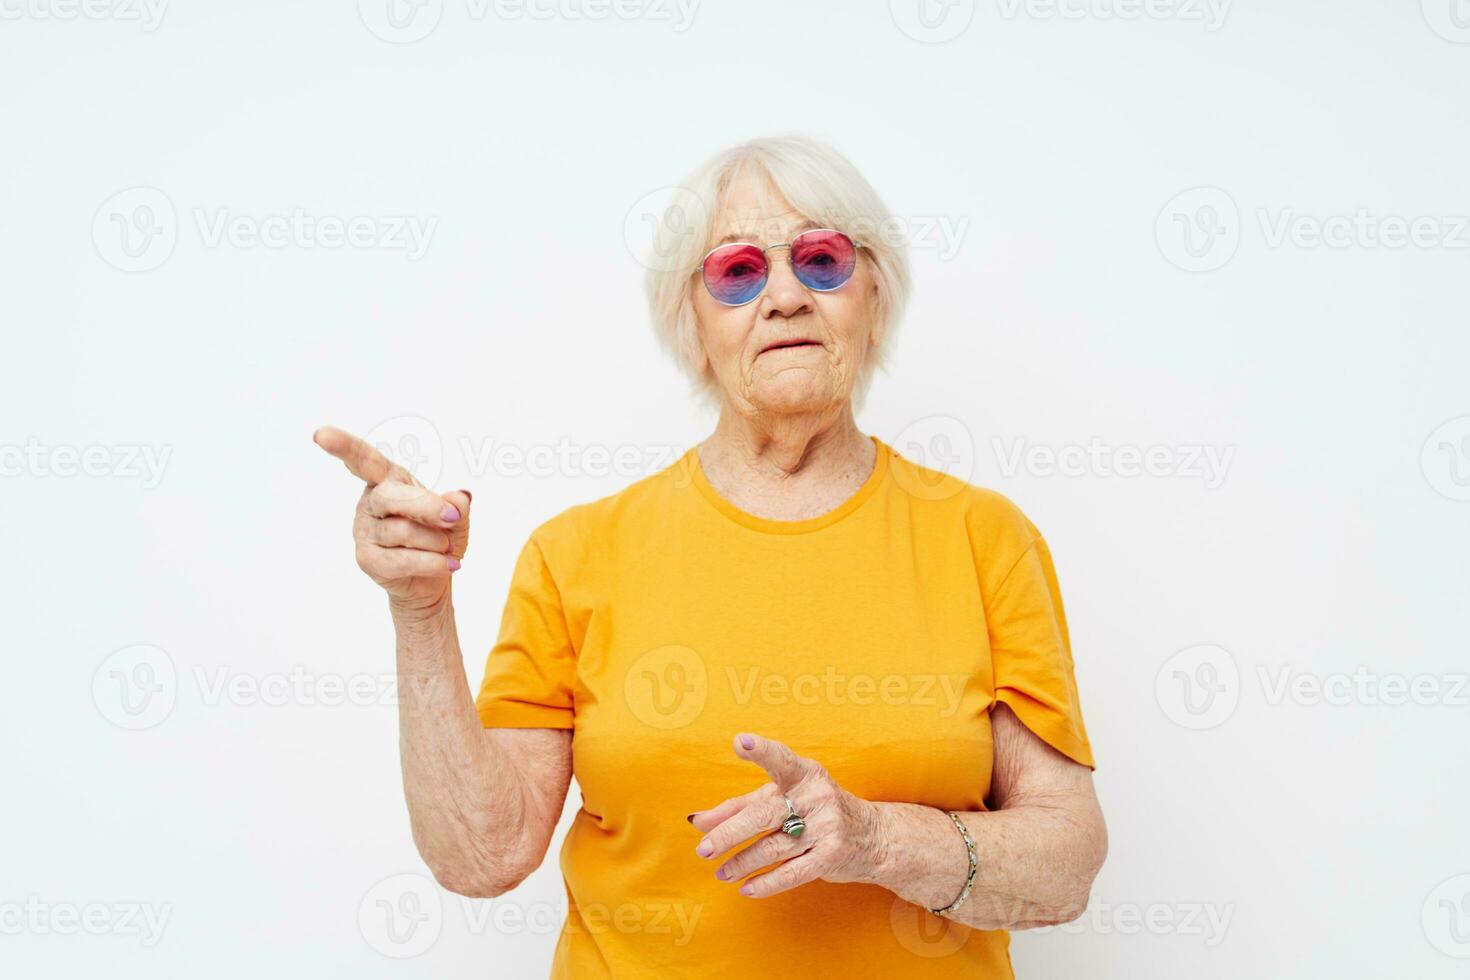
x: 791, y: 349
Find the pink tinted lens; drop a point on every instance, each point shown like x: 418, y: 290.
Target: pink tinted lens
x: 823, y: 259
x: 735, y: 274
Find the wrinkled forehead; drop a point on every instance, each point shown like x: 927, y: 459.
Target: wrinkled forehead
x: 752, y: 209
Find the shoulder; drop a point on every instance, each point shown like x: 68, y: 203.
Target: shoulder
x: 576, y: 531
x: 996, y: 525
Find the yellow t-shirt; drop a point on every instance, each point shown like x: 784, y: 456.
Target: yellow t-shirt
x: 659, y: 622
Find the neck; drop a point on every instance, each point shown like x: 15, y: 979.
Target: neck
x: 787, y: 467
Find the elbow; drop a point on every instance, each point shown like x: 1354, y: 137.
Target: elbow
x: 1091, y: 853
x: 471, y: 883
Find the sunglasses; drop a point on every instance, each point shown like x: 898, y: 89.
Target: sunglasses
x: 822, y: 259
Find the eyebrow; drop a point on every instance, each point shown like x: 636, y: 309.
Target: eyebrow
x: 806, y: 225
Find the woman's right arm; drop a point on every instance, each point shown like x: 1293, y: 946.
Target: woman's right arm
x: 483, y: 803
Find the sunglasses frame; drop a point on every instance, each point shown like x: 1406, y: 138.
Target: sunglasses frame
x: 856, y: 245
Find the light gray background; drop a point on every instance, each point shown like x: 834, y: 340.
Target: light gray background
x: 1111, y: 208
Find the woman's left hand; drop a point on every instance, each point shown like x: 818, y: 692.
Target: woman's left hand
x: 843, y: 840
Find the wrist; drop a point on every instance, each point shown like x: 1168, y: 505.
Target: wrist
x: 416, y: 618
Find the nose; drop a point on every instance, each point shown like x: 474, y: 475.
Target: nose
x: 785, y: 295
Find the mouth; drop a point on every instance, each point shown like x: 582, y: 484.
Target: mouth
x: 792, y: 344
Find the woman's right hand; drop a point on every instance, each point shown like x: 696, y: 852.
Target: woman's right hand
x: 409, y: 539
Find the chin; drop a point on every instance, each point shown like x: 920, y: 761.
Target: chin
x: 794, y: 393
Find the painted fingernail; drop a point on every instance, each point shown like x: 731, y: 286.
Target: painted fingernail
x: 449, y: 514
x: 746, y: 890
x: 690, y: 818
x: 705, y: 849
x: 720, y: 873
x: 454, y: 564
x: 747, y: 742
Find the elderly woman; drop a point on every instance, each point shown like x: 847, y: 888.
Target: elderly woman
x: 819, y: 699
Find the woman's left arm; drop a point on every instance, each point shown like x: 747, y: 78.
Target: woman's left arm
x: 1039, y: 847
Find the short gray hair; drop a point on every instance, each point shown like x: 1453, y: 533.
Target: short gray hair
x: 823, y: 186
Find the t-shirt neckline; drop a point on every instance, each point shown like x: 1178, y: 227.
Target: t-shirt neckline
x: 772, y: 526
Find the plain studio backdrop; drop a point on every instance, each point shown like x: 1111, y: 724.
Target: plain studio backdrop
x: 1189, y: 288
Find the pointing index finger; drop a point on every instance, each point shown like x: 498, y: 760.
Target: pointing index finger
x: 365, y: 462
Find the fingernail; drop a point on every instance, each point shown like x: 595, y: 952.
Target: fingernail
x: 454, y: 564
x: 690, y: 818
x: 449, y: 514
x: 720, y: 873
x: 705, y: 849
x: 746, y: 890
x: 467, y: 495
x: 747, y: 742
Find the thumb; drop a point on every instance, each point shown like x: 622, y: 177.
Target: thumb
x: 459, y: 534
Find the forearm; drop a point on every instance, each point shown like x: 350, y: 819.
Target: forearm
x: 1036, y: 861
x: 466, y: 803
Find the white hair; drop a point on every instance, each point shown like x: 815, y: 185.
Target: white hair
x: 823, y: 186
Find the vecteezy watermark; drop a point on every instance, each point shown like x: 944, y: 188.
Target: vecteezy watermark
x: 407, y: 21
x: 1210, y: 13
x: 1206, y: 463
x: 143, y: 921
x: 401, y: 916
x: 660, y: 227
x: 1198, y: 230
x: 1363, y: 229
x: 1198, y: 687
x: 1362, y: 686
x: 120, y: 461
x: 943, y: 449
x: 507, y: 459
x: 1205, y: 921
x: 669, y: 686
x: 1450, y: 19
x: 147, y: 14
x: 932, y: 21
x: 1445, y: 917
x: 413, y: 442
x: 138, y: 687
x: 136, y: 230
x: 1445, y: 459
x: 1201, y: 686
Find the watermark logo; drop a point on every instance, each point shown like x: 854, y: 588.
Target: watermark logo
x: 944, y: 450
x: 1198, y: 230
x: 1445, y: 917
x: 148, y: 14
x: 1450, y: 19
x: 1199, y: 687
x: 924, y: 934
x: 1445, y: 459
x: 120, y: 461
x: 1210, y: 13
x: 135, y: 230
x: 400, y: 21
x: 136, y: 687
x: 661, y: 226
x: 143, y: 921
x: 412, y: 442
x: 401, y: 916
x: 932, y: 21
x: 667, y: 687
x: 1186, y: 461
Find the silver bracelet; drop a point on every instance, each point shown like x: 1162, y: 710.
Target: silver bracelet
x: 970, y: 878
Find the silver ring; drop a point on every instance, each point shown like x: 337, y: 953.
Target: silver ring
x: 793, y: 825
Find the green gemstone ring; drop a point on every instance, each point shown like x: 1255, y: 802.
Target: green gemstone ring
x: 793, y: 825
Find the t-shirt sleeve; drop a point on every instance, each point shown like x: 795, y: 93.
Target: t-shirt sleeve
x: 531, y: 670
x: 1031, y: 653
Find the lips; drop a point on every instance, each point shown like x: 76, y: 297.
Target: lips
x: 790, y: 343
